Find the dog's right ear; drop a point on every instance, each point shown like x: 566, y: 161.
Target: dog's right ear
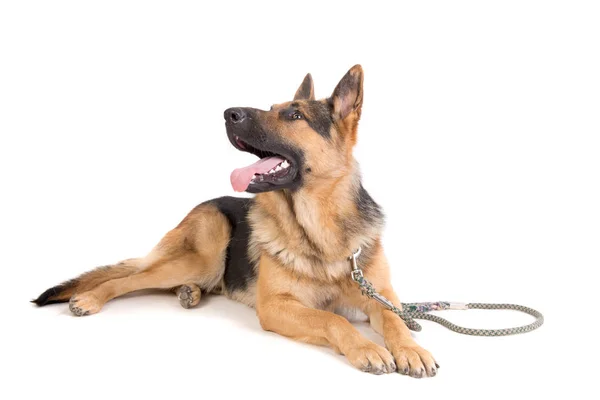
x: 306, y: 91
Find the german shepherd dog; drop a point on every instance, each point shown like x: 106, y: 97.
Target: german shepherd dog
x: 286, y: 250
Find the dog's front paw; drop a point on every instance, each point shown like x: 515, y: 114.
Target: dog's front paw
x: 188, y: 295
x: 370, y: 357
x: 85, y: 303
x: 414, y: 361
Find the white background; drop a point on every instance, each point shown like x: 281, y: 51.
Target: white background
x: 479, y: 137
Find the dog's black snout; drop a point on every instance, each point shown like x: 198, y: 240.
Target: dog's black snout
x: 235, y: 115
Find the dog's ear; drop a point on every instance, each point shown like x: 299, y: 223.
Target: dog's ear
x: 306, y: 91
x: 347, y: 97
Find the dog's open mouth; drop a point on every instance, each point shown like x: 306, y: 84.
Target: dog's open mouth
x: 271, y: 169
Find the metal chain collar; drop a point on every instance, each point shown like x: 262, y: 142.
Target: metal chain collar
x: 411, y: 311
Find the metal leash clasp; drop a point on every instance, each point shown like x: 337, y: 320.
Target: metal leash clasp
x: 357, y: 273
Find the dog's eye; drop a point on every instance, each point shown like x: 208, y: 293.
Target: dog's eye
x: 296, y: 115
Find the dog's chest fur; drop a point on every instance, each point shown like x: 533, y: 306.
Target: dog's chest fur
x: 310, y: 238
x: 304, y: 239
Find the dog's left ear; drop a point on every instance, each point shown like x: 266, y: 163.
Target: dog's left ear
x: 347, y: 98
x: 306, y: 91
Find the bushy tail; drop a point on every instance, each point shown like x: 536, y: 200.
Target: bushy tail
x: 87, y: 281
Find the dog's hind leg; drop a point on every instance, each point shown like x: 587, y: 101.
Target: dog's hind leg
x: 162, y: 275
x: 192, y: 256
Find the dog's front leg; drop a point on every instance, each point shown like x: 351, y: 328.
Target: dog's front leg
x: 282, y: 311
x: 411, y: 359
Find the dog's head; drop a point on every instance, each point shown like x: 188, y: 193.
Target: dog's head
x: 298, y: 142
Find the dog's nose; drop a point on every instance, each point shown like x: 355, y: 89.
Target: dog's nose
x: 235, y: 115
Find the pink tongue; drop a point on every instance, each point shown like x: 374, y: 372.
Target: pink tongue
x: 241, y: 177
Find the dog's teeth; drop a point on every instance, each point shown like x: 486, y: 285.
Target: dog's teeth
x: 278, y: 168
x: 285, y: 164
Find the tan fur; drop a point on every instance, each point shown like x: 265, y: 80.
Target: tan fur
x: 193, y: 252
x: 291, y: 309
x: 247, y: 297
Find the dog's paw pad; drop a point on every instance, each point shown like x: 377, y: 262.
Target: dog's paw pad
x: 188, y: 295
